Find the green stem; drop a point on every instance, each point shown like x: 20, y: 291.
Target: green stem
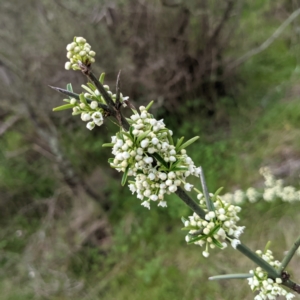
x: 289, y: 255
x: 292, y: 285
x: 258, y: 260
x: 209, y: 203
x: 190, y: 202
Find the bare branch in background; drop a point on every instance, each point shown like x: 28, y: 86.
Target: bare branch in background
x: 266, y: 43
x: 7, y: 124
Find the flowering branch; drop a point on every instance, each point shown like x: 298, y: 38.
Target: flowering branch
x: 144, y: 150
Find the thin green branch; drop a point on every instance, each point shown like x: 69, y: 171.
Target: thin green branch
x: 190, y: 202
x: 258, y: 260
x: 292, y: 285
x: 209, y: 203
x: 289, y: 255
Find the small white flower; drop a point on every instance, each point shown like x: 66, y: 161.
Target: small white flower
x: 94, y: 104
x: 162, y: 204
x: 235, y: 242
x: 153, y: 197
x: 188, y: 187
x: 73, y: 101
x: 68, y: 65
x: 146, y: 204
x: 205, y: 254
x: 90, y: 125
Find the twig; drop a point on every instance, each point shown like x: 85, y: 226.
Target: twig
x: 289, y: 255
x: 190, y: 202
x: 6, y: 125
x: 266, y: 43
x: 209, y: 203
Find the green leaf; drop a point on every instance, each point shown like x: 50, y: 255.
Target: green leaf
x: 91, y: 86
x: 75, y: 113
x: 69, y: 87
x: 179, y: 142
x: 87, y: 89
x: 189, y: 142
x: 108, y: 145
x: 66, y: 100
x: 124, y: 178
x: 217, y: 243
x: 129, y: 120
x: 160, y: 159
x: 101, y: 78
x: 183, y: 220
x: 231, y: 276
x: 215, y: 196
x: 189, y: 228
x: 143, y: 135
x: 130, y: 131
x: 149, y: 105
x: 177, y: 162
x: 198, y: 238
x: 63, y: 107
x: 215, y: 230
x: 170, y: 139
x: 82, y: 99
x: 179, y: 169
x: 128, y: 135
x: 110, y: 160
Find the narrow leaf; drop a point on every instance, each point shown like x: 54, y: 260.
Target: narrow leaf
x: 170, y: 139
x: 189, y: 142
x: 189, y: 228
x: 124, y: 178
x: 198, y: 238
x: 183, y: 220
x: 82, y: 99
x: 217, y: 243
x: 101, y: 78
x: 160, y: 159
x: 128, y: 135
x: 87, y: 89
x: 149, y: 105
x: 69, y: 87
x: 108, y: 145
x: 91, y: 86
x: 63, y: 107
x: 179, y: 142
x: 179, y: 169
x: 231, y: 276
x: 143, y: 135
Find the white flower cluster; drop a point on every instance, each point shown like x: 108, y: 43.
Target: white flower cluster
x: 218, y: 226
x: 274, y: 189
x: 79, y: 51
x: 148, y: 154
x: 269, y: 289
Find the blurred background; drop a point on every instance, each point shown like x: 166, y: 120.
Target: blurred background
x: 227, y: 71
